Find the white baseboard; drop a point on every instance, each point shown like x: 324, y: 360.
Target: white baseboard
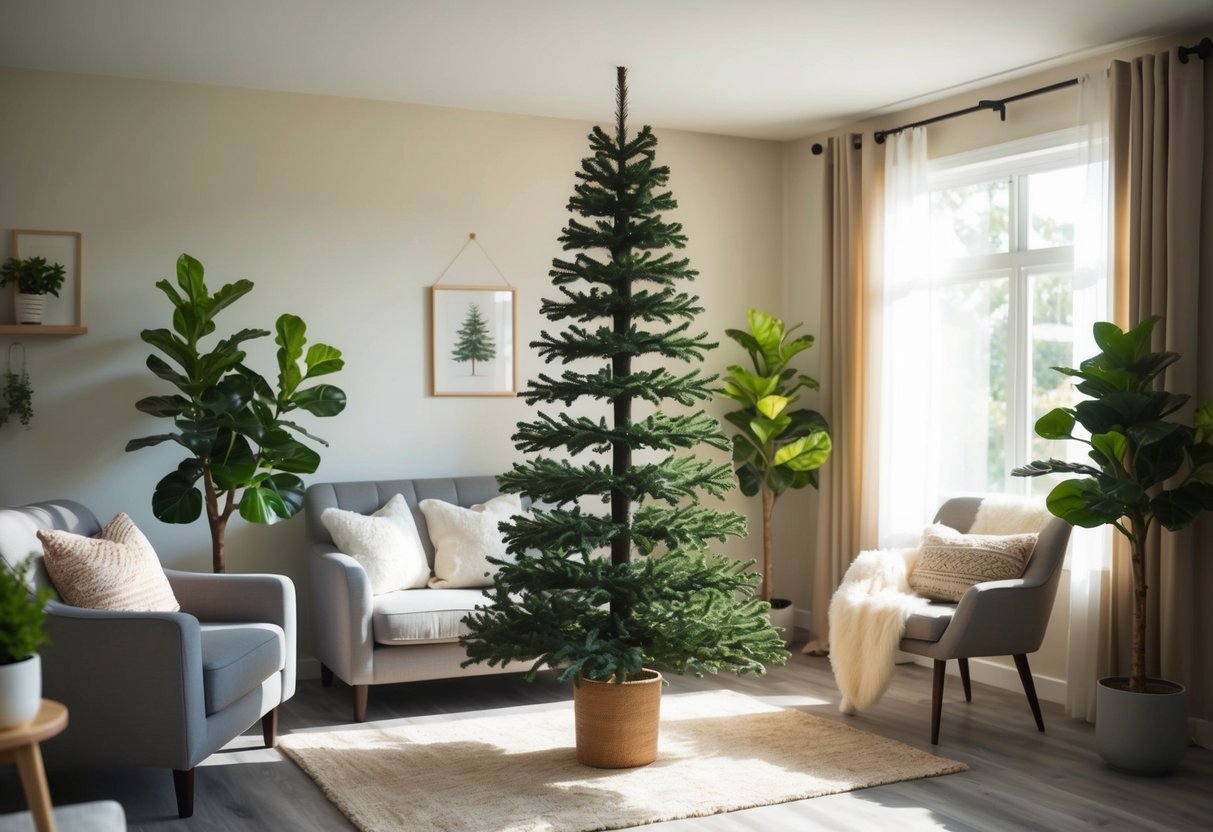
x: 1048, y: 689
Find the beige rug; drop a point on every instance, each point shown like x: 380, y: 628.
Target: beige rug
x: 719, y: 752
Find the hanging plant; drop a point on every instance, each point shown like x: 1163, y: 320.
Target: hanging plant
x: 18, y: 392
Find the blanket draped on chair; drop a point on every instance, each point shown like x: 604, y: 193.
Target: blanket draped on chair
x: 869, y: 610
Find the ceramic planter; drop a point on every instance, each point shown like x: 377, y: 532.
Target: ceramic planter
x: 1141, y: 733
x: 783, y: 617
x: 30, y: 309
x: 20, y: 691
x: 617, y: 725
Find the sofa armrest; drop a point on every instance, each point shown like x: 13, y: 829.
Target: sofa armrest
x: 242, y: 598
x: 341, y: 614
x: 118, y: 669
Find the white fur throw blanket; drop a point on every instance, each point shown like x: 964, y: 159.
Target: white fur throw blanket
x: 869, y: 610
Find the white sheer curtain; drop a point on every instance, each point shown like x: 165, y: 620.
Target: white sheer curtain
x: 1088, y: 657
x: 908, y: 482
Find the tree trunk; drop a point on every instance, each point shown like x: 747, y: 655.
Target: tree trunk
x: 216, y: 520
x: 1137, y: 654
x: 768, y: 545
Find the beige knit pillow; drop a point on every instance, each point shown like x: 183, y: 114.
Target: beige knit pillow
x: 950, y: 562
x: 116, y: 570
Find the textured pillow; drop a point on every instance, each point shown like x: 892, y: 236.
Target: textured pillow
x: 950, y: 562
x: 386, y: 543
x: 116, y: 570
x: 464, y: 539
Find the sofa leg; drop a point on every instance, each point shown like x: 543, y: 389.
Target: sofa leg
x: 326, y: 676
x: 937, y: 699
x: 361, y: 693
x: 964, y: 679
x: 269, y: 728
x: 183, y: 783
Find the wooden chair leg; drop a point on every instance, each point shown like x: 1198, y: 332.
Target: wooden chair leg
x: 326, y: 677
x: 269, y: 728
x: 937, y: 699
x: 183, y: 782
x: 1029, y: 687
x: 360, y: 697
x: 964, y: 679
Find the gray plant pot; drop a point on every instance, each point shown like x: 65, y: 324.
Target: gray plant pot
x: 1141, y: 733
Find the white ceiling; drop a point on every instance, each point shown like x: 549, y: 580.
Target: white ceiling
x: 772, y: 69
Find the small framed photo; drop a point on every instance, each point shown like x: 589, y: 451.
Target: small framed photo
x: 64, y: 248
x: 474, y: 352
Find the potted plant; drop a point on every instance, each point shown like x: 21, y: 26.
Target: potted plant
x: 243, y: 454
x: 608, y: 596
x: 1147, y: 470
x: 17, y: 394
x: 22, y: 614
x: 35, y: 279
x: 776, y: 448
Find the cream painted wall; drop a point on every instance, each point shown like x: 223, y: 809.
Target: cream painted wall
x: 342, y: 211
x: 804, y: 223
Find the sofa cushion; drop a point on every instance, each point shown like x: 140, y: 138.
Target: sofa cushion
x: 422, y: 616
x: 116, y: 570
x: 928, y: 623
x: 465, y: 538
x: 237, y: 658
x: 951, y: 562
x: 385, y: 543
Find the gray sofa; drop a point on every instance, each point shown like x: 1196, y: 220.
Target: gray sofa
x: 402, y: 636
x: 160, y: 689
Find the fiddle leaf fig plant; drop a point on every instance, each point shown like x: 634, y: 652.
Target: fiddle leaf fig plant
x: 1147, y: 469
x: 243, y: 454
x: 776, y: 448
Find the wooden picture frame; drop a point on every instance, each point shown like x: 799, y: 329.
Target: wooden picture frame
x: 473, y: 341
x: 65, y: 314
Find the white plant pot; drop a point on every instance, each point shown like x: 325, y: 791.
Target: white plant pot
x: 20, y: 691
x: 30, y: 308
x: 784, y: 618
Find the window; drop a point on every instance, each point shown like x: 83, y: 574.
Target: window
x: 978, y: 326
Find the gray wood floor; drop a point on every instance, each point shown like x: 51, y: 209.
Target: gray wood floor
x: 1018, y: 778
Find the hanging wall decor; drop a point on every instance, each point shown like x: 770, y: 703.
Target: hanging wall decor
x: 473, y: 350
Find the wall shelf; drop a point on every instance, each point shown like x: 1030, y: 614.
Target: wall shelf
x: 42, y: 329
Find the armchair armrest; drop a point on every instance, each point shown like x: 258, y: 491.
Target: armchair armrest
x: 242, y: 598
x: 117, y: 669
x: 999, y: 618
x: 341, y: 614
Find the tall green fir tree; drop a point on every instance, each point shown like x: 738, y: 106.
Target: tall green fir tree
x: 612, y: 571
x: 474, y: 343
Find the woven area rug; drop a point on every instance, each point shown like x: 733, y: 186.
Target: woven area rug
x: 719, y: 752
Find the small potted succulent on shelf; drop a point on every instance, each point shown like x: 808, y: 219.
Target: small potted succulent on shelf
x: 35, y: 279
x: 22, y: 615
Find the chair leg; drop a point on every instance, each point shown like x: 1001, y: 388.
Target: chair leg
x: 964, y: 679
x: 937, y: 699
x: 183, y: 783
x: 360, y: 697
x: 269, y: 728
x: 326, y: 677
x: 1029, y: 687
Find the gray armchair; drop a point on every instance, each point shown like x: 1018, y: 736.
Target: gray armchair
x: 160, y: 689
x: 997, y: 618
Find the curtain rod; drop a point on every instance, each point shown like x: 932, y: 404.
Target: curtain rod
x: 1202, y: 50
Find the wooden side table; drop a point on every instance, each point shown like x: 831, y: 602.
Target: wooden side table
x: 21, y: 744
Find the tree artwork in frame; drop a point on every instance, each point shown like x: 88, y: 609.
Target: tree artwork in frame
x: 473, y: 352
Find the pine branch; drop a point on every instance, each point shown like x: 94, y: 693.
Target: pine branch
x: 663, y: 270
x: 664, y: 305
x: 578, y: 342
x: 670, y: 480
x: 688, y: 526
x: 652, y: 385
x: 658, y: 431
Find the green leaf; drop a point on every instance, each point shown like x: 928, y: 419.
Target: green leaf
x: 322, y: 400
x: 805, y: 422
x: 322, y: 360
x: 767, y: 429
x: 230, y: 395
x: 1069, y: 501
x: 1203, y: 423
x: 806, y: 453
x: 176, y: 499
x: 1112, y: 445
x: 1178, y: 508
x: 749, y: 480
x: 290, y: 455
x: 275, y: 497
x: 1058, y: 423
x: 290, y: 340
x: 771, y: 406
x: 235, y: 465
x: 171, y: 406
x: 149, y: 441
x: 768, y: 333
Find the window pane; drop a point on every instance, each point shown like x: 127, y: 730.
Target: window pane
x: 971, y: 220
x: 1053, y: 200
x: 1052, y: 340
x: 969, y: 351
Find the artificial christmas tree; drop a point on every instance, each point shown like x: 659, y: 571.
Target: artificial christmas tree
x: 660, y: 597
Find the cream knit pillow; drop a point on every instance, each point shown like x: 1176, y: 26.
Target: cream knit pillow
x: 950, y: 562
x: 464, y: 539
x: 386, y: 543
x: 116, y: 570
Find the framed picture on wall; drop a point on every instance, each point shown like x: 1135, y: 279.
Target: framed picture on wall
x: 65, y: 313
x: 474, y: 352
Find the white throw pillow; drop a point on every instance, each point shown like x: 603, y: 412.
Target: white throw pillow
x: 386, y: 543
x: 465, y: 538
x: 950, y: 562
